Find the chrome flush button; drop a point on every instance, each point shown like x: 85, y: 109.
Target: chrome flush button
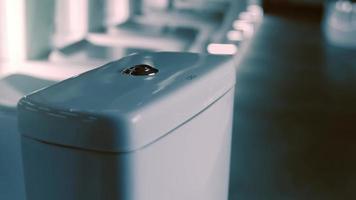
x: 141, y: 70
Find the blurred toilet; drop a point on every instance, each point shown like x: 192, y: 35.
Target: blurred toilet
x: 12, y: 88
x: 340, y: 23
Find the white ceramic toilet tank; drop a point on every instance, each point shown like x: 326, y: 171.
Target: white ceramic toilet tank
x: 128, y: 131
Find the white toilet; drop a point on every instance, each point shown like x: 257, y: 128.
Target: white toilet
x: 12, y: 88
x: 152, y: 126
x: 340, y: 23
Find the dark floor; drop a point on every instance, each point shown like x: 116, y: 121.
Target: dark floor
x: 295, y: 116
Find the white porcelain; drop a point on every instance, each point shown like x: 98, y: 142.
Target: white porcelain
x: 16, y: 80
x: 11, y: 172
x: 12, y: 88
x: 105, y: 94
x: 142, y: 37
x: 97, y: 51
x: 15, y: 86
x: 340, y: 23
x: 108, y: 135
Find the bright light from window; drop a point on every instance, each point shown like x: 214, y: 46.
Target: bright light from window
x: 222, y: 49
x: 117, y: 11
x: 14, y: 42
x: 71, y: 21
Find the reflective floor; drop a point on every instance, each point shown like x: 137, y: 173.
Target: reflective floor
x: 295, y: 114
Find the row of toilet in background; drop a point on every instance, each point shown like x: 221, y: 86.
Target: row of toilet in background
x: 24, y: 78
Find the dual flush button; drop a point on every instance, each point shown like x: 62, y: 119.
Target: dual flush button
x: 140, y: 70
